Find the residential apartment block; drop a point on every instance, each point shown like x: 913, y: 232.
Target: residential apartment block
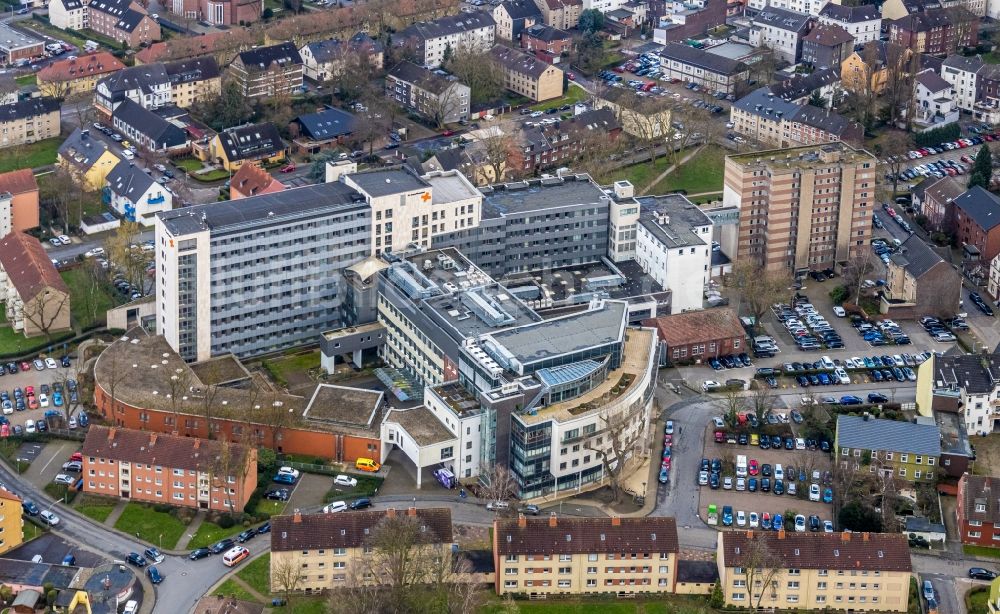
x: 64, y: 78
x: 11, y: 521
x: 910, y: 451
x: 250, y: 143
x: 934, y: 31
x: 975, y: 221
x: 966, y: 384
x: 28, y: 121
x: 147, y: 85
x: 333, y: 550
x: 125, y: 21
x: 864, y: 23
x: 268, y: 71
x: 220, y: 12
x: 538, y: 557
x: 546, y: 42
x: 195, y: 80
x: 562, y: 14
x: 801, y: 209
x: 258, y: 274
x: 148, y: 130
x: 859, y: 572
x: 326, y: 59
x: 513, y: 16
x: 161, y: 468
x: 769, y: 120
x: 979, y: 510
x: 34, y: 294
x: 961, y: 72
x: 69, y: 14
x: 21, y: 190
x: 527, y: 75
x: 715, y: 73
x: 471, y: 31
x: 919, y: 282
x: 135, y: 195
x: 781, y: 31
x: 443, y: 100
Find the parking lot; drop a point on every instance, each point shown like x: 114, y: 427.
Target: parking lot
x: 49, y: 460
x: 43, y: 382
x: 802, y: 461
x: 52, y: 548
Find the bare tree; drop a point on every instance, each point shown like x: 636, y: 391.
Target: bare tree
x: 734, y: 405
x: 126, y: 255
x: 855, y: 270
x: 762, y: 401
x: 496, y: 146
x: 762, y: 567
x: 894, y: 148
x: 479, y: 70
x: 178, y: 385
x: 498, y: 485
x: 46, y: 311
x: 759, y: 288
x: 286, y: 575
x: 901, y: 65
x: 622, y: 431
x: 403, y: 555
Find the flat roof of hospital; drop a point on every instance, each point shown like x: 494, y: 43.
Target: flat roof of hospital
x: 566, y: 334
x: 540, y: 194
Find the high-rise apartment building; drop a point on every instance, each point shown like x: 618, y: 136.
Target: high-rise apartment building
x: 259, y: 274
x: 804, y: 208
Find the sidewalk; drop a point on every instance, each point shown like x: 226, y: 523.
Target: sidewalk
x: 669, y: 170
x: 116, y: 513
x: 190, y: 531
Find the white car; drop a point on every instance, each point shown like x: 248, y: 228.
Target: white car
x: 29, y: 426
x: 97, y: 251
x: 64, y: 239
x: 62, y: 478
x: 741, y: 518
x: 800, y: 444
x: 336, y: 506
x: 754, y: 520
x: 43, y: 400
x: 344, y: 480
x: 8, y: 408
x: 289, y: 471
x: 814, y: 492
x: 49, y: 518
x: 839, y: 311
x: 800, y: 524
x: 827, y: 526
x: 718, y: 422
x: 779, y: 472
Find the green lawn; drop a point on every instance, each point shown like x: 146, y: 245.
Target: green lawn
x: 88, y: 203
x: 305, y: 605
x: 273, y: 508
x: 672, y: 604
x: 702, y: 173
x: 976, y: 600
x: 15, y: 344
x: 574, y: 94
x: 640, y: 175
x: 292, y: 368
x: 257, y: 573
x: 30, y: 156
x: 982, y: 551
x: 60, y: 492
x: 98, y: 508
x: 229, y: 588
x: 214, y: 175
x: 45, y: 28
x: 89, y: 300
x: 150, y: 525
x: 25, y: 80
x: 188, y: 164
x: 30, y: 531
x: 992, y: 57
x: 209, y: 533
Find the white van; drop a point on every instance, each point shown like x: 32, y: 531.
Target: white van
x: 741, y: 466
x: 235, y: 555
x: 131, y: 607
x: 127, y: 154
x: 90, y: 46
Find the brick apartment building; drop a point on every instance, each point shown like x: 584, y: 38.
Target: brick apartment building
x: 979, y: 510
x: 804, y: 208
x: 696, y: 336
x: 934, y: 31
x: 977, y: 221
x: 161, y: 468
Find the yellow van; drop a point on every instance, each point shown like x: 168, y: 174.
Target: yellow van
x: 366, y: 464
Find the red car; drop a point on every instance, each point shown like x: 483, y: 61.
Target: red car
x: 571, y: 76
x: 288, y: 169
x: 76, y: 456
x: 666, y: 463
x: 448, y: 133
x: 753, y: 468
x: 720, y: 437
x: 26, y: 366
x: 618, y: 69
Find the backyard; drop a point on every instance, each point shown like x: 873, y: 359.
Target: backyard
x: 89, y: 298
x: 96, y: 508
x: 257, y: 573
x: 702, y: 173
x: 573, y: 95
x: 160, y: 528
x: 669, y: 604
x: 30, y: 156
x: 290, y: 370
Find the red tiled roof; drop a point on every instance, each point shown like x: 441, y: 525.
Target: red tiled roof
x: 252, y: 180
x: 865, y: 551
x: 28, y: 266
x: 202, y: 44
x: 348, y: 529
x: 695, y: 326
x: 84, y: 66
x: 18, y: 182
x: 577, y: 535
x: 191, y: 453
x: 984, y: 490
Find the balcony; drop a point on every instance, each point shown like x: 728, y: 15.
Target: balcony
x: 155, y: 200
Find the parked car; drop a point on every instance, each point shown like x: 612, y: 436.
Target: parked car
x: 246, y: 536
x: 346, y: 481
x: 49, y: 518
x: 134, y: 558
x: 154, y: 555
x: 154, y: 574
x: 222, y: 546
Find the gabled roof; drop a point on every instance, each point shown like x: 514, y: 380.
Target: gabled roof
x: 130, y: 20
x: 695, y: 326
x: 518, y: 62
x: 129, y: 181
x: 916, y: 256
x: 260, y: 59
x: 18, y: 182
x: 782, y: 19
x: 145, y: 77
x: 700, y: 58
x: 826, y: 120
x: 828, y: 35
x: 329, y: 123
x: 28, y: 266
x: 546, y: 33
x: 193, y: 46
x: 600, y: 121
x: 31, y: 107
x: 973, y: 373
x: 84, y: 66
x: 251, y: 180
x: 334, y: 48
x: 800, y: 86
x: 173, y: 451
x: 855, y: 551
x: 421, y: 77
x: 194, y: 69
x: 982, y: 490
x: 520, y: 9
x: 945, y: 189
x: 541, y: 536
x: 150, y: 124
x: 350, y: 529
x: 115, y: 8
x: 251, y: 142
x: 858, y: 432
x: 850, y: 14
x: 923, y: 21
x: 960, y: 62
x: 454, y: 24
x: 82, y: 151
x: 933, y: 82
x: 980, y: 205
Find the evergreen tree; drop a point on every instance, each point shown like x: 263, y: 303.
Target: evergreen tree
x: 982, y: 168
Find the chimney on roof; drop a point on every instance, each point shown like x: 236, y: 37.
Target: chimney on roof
x: 297, y: 517
x: 865, y: 536
x: 522, y: 522
x: 749, y: 534
x: 390, y: 513
x: 197, y: 443
x: 152, y: 439
x: 552, y: 520
x: 411, y: 511
x: 781, y: 534
x: 845, y: 536
x: 111, y: 433
x: 616, y: 521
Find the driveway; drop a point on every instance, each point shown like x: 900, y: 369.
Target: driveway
x: 49, y: 462
x: 310, y: 493
x: 52, y: 548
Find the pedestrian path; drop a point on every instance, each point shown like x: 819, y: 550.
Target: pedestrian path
x: 189, y: 533
x: 115, y: 513
x: 649, y: 186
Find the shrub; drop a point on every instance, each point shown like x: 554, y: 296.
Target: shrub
x: 163, y: 508
x: 838, y: 295
x: 226, y: 521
